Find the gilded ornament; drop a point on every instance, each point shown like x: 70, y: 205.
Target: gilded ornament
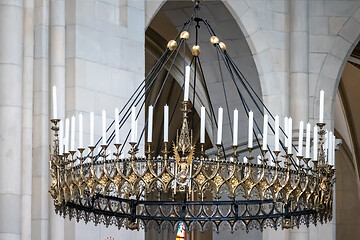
x: 200, y: 179
x: 148, y: 177
x: 218, y: 180
x: 172, y: 44
x: 166, y: 178
x: 132, y: 178
x: 185, y: 35
x: 214, y: 40
x: 222, y: 46
x: 195, y: 50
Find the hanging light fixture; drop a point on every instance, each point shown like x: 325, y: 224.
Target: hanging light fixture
x: 185, y: 188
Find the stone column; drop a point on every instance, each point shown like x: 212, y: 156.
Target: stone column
x: 11, y: 46
x: 299, y: 60
x: 40, y: 187
x: 299, y: 76
x: 57, y: 77
x: 27, y: 111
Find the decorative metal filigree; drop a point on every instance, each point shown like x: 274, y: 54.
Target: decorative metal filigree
x: 130, y: 191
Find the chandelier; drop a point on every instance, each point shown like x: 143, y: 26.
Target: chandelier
x: 228, y: 187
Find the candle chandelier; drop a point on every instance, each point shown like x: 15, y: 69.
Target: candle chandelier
x: 281, y: 187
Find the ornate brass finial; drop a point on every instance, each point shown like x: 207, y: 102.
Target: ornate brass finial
x: 184, y: 150
x: 185, y: 35
x: 172, y: 44
x: 214, y: 40
x: 222, y: 46
x: 195, y: 50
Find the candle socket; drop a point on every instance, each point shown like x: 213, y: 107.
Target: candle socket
x: 72, y: 153
x: 66, y: 155
x: 104, y: 154
x: 55, y: 124
x: 306, y: 161
x: 148, y: 151
x: 104, y: 148
x: 117, y: 153
x: 202, y: 152
x: 92, y: 149
x: 250, y: 157
x: 235, y: 154
x: 81, y: 158
x: 218, y: 151
x: 264, y: 159
x: 133, y: 151
x: 299, y: 162
x: 165, y: 151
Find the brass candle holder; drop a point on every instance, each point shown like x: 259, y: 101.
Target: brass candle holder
x: 218, y: 151
x: 321, y: 153
x: 133, y: 150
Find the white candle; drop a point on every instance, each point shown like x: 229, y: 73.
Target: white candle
x: 235, y: 129
x: 286, y: 122
x: 308, y: 132
x: 166, y: 123
x: 301, y: 138
x: 72, y: 143
x: 67, y: 134
x: 315, y: 143
x: 289, y: 135
x: 245, y: 160
x: 265, y: 132
x: 133, y: 118
x: 117, y: 133
x: 103, y: 117
x: 54, y: 94
x: 321, y: 111
x: 220, y: 122
x: 277, y: 129
x: 187, y: 83
x: 136, y: 130
x: 81, y: 130
x: 331, y: 148
x: 61, y: 137
x: 250, y: 133
x: 202, y: 125
x: 150, y: 123
x: 91, y: 129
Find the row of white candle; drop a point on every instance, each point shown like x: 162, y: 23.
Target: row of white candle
x: 70, y: 132
x: 287, y: 123
x: 329, y: 148
x: 287, y: 127
x: 67, y: 137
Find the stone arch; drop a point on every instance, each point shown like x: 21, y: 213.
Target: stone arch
x: 247, y: 21
x: 334, y: 63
